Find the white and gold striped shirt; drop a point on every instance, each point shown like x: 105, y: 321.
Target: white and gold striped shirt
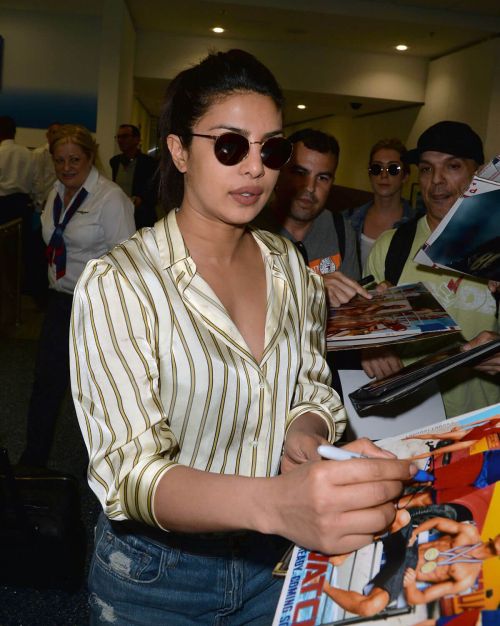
x: 161, y: 375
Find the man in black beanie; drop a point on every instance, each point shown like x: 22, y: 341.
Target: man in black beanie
x: 447, y: 156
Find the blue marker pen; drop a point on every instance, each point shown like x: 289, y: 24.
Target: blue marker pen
x: 340, y: 454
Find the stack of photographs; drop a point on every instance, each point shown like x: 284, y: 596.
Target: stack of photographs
x: 402, y: 313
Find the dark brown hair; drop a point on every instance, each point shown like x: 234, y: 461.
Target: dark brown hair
x: 192, y: 92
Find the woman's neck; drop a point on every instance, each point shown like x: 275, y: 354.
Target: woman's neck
x: 392, y: 205
x: 212, y: 240
x: 381, y: 215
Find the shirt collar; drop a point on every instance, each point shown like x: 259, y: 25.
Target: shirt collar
x: 173, y: 249
x: 7, y: 142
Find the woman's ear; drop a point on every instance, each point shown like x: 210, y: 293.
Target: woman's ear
x: 178, y: 152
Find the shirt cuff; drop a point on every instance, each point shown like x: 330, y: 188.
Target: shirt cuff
x: 335, y: 421
x: 137, y: 491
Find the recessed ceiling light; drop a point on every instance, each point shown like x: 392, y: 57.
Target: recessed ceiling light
x: 218, y: 29
x: 402, y: 47
x: 301, y: 106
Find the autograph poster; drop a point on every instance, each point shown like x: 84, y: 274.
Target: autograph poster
x: 439, y: 564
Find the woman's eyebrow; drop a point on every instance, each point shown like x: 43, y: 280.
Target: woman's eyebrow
x: 245, y: 132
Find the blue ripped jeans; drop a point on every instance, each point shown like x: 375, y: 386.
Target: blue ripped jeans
x: 135, y: 579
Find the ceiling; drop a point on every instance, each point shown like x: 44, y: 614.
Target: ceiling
x: 431, y: 28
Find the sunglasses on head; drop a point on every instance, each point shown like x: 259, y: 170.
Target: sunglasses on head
x: 232, y: 148
x: 392, y: 169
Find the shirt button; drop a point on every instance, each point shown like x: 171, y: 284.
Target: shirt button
x: 254, y: 443
x: 261, y: 385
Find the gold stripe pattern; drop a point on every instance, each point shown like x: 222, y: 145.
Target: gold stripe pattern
x: 161, y: 375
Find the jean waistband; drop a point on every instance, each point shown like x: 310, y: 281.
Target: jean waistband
x: 203, y: 544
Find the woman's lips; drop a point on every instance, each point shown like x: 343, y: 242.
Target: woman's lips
x: 247, y: 195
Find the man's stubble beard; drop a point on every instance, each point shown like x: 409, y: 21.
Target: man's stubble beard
x: 304, y: 215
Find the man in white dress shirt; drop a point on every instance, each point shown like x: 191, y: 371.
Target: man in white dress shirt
x: 16, y: 174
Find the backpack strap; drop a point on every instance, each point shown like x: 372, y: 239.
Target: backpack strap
x: 399, y: 250
x: 339, y: 225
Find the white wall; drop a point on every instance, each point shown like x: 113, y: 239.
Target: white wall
x: 115, y: 95
x: 52, y: 59
x: 461, y: 87
x: 49, y: 51
x: 50, y: 69
x: 141, y: 118
x: 492, y: 138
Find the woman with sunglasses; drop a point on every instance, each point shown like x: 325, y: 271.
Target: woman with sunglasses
x: 388, y: 209
x: 198, y: 373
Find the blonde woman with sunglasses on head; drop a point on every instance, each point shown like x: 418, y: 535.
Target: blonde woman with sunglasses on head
x: 198, y: 374
x: 388, y: 209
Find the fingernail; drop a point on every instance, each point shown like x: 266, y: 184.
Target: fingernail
x: 413, y: 469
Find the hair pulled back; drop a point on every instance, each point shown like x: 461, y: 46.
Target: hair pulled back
x: 190, y: 95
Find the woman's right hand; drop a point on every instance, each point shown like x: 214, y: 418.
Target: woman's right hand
x: 335, y: 506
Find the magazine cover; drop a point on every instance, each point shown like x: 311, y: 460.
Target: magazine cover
x: 439, y: 563
x: 398, y: 314
x: 468, y: 239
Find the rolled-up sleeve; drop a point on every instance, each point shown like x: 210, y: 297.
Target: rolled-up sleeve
x: 115, y: 387
x: 313, y: 391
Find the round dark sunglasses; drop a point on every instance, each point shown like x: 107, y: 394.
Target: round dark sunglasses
x: 232, y: 148
x: 393, y: 169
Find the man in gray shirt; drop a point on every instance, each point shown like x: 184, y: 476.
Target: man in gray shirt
x: 298, y: 212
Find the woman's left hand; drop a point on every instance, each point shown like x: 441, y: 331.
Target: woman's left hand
x: 301, y: 445
x: 302, y: 440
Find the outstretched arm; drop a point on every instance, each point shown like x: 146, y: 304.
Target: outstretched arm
x: 328, y: 518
